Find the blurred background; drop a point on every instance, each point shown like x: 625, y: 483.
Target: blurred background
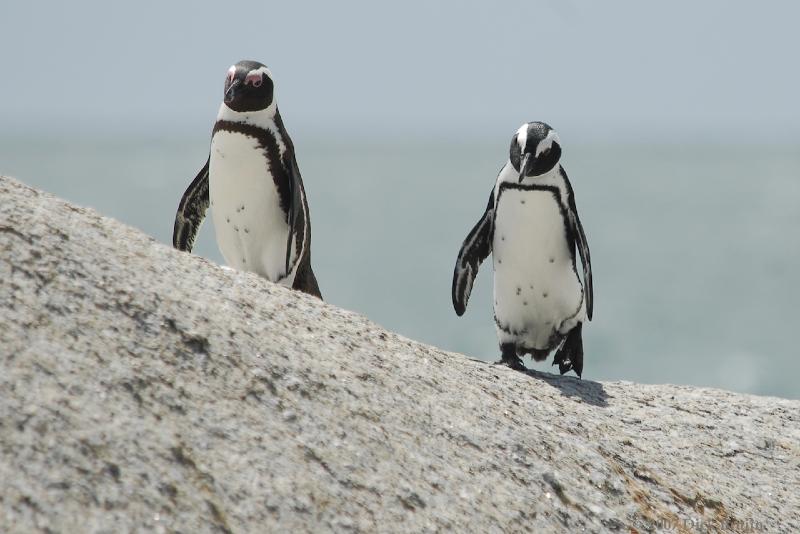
x: 679, y: 121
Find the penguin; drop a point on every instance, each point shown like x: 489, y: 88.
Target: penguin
x: 532, y: 229
x: 253, y: 185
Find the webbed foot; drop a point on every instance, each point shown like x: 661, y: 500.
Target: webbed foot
x: 569, y: 356
x: 509, y: 357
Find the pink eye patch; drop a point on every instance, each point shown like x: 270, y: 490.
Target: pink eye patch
x: 254, y: 78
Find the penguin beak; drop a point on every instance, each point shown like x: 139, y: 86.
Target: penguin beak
x: 232, y: 92
x: 524, y: 167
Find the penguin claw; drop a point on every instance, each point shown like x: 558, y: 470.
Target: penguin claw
x: 513, y: 363
x: 509, y: 357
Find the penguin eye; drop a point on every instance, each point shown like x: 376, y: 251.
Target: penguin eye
x: 255, y: 79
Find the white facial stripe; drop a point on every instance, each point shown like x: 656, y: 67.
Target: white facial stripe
x: 522, y: 136
x: 259, y: 71
x: 547, y: 142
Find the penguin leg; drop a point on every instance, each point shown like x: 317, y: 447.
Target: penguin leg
x: 509, y: 357
x: 569, y: 355
x: 537, y: 354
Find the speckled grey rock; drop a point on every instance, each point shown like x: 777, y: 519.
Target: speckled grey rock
x: 147, y: 390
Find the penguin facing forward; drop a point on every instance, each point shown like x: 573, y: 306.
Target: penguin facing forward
x: 532, y: 229
x: 253, y: 185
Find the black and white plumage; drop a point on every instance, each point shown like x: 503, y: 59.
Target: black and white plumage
x: 532, y: 229
x: 253, y: 185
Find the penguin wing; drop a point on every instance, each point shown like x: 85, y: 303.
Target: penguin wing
x: 296, y: 214
x: 476, y: 247
x: 191, y: 211
x: 583, y: 247
x: 586, y: 260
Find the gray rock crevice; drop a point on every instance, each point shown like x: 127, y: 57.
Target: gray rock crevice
x: 143, y: 389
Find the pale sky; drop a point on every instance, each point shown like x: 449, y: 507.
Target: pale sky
x: 721, y: 68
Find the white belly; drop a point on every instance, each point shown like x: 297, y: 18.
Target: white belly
x: 251, y: 227
x: 537, y: 293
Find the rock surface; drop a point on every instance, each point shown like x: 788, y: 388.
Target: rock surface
x: 142, y: 389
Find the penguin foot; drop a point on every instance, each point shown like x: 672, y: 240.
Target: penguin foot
x: 569, y: 355
x: 509, y: 357
x: 514, y: 363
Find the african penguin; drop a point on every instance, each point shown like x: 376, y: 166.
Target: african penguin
x: 531, y: 227
x: 253, y: 185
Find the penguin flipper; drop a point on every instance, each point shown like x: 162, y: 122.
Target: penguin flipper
x: 586, y: 260
x: 305, y: 280
x: 191, y: 211
x: 583, y: 246
x: 296, y: 212
x: 476, y: 247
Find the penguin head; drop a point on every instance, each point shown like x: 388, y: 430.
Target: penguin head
x: 248, y: 87
x: 535, y: 149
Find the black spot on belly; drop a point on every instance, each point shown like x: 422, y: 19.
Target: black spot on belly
x: 502, y: 238
x: 524, y: 302
x: 552, y: 260
x: 246, y: 230
x: 544, y: 295
x: 242, y: 208
x: 519, y: 290
x: 522, y: 202
x: 227, y: 219
x: 236, y: 228
x: 244, y: 260
x: 531, y: 286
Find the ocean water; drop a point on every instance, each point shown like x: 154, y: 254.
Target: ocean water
x: 695, y: 249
